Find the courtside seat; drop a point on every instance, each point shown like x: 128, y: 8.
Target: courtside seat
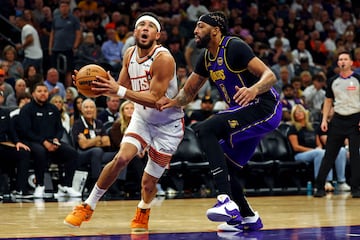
x: 260, y: 168
x: 276, y: 147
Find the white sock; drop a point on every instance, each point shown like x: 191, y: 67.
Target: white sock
x: 95, y: 195
x: 144, y: 205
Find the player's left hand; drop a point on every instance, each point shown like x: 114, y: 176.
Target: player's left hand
x: 244, y: 95
x: 105, y: 86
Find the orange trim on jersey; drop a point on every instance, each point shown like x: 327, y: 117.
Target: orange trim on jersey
x: 162, y: 159
x: 132, y: 50
x: 139, y: 61
x: 137, y: 137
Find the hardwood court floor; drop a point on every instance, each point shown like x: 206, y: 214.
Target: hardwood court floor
x: 45, y: 219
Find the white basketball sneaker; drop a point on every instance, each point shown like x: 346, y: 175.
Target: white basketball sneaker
x: 224, y: 210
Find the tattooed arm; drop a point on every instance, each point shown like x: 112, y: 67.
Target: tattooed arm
x: 185, y: 95
x: 267, y: 79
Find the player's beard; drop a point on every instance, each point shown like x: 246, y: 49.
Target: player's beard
x: 144, y: 46
x: 204, y: 41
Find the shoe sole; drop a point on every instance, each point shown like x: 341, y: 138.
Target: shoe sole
x: 218, y: 217
x: 139, y: 231
x: 70, y: 225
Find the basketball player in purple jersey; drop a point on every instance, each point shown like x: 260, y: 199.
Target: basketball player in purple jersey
x: 230, y: 137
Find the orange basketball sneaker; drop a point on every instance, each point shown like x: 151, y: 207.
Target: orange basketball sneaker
x: 81, y: 213
x: 140, y: 222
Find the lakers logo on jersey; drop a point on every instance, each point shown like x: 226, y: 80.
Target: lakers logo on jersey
x: 233, y: 123
x: 217, y: 75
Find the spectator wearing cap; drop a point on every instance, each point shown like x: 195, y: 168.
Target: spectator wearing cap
x: 289, y: 100
x: 205, y: 111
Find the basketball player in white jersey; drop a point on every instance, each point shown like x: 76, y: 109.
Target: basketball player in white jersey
x: 148, y: 73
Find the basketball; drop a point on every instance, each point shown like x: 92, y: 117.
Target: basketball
x: 85, y: 76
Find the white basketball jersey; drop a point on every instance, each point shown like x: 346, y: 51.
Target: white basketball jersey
x: 140, y: 78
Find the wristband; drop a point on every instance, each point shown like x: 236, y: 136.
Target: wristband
x: 121, y: 91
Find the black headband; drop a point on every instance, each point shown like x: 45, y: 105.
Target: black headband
x: 215, y: 20
x: 209, y: 20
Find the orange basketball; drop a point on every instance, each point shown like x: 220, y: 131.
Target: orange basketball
x: 85, y: 76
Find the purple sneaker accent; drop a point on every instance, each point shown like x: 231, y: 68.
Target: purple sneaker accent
x: 224, y: 210
x: 245, y: 225
x: 253, y: 226
x: 219, y: 203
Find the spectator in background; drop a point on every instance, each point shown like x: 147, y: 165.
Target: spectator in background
x: 283, y: 80
x: 88, y: 7
x: 58, y: 101
x: 176, y: 52
x: 296, y: 83
x: 111, y: 113
x: 289, y: 100
x: 191, y: 54
x: 306, y: 143
x: 16, y: 69
x: 314, y: 96
x: 300, y: 53
x: 122, y: 31
x: 205, y: 111
x: 31, y: 77
x: 103, y: 13
x: 279, y: 35
x: 77, y: 109
x: 71, y: 94
x: 65, y: 37
x: 91, y: 141
x: 5, y: 89
x: 330, y: 41
x: 4, y: 65
x: 20, y: 88
x: 45, y: 29
x: 283, y: 61
x: 55, y: 87
x: 342, y: 22
x: 30, y: 44
x: 42, y: 130
x: 111, y: 49
x: 195, y: 10
x: 89, y: 52
x: 306, y: 79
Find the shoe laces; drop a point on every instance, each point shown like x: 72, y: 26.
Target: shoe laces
x: 82, y: 211
x: 142, y: 215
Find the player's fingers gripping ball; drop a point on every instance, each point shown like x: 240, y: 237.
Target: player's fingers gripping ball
x: 85, y: 76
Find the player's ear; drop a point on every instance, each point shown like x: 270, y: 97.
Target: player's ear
x: 215, y: 31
